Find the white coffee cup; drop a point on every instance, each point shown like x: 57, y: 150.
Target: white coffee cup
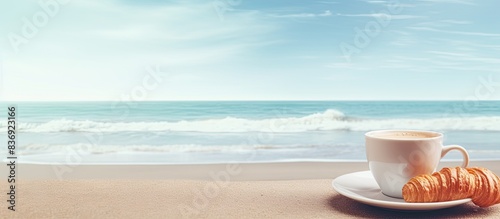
x: 395, y: 156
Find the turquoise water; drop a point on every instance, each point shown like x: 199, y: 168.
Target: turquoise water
x: 178, y: 132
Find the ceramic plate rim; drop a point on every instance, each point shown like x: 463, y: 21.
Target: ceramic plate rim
x: 389, y: 204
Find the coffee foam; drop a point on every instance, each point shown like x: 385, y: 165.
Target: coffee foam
x: 404, y: 135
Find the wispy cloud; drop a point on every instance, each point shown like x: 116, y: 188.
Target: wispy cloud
x: 396, y: 65
x: 456, y: 32
x: 464, y: 2
x: 455, y: 22
x: 442, y: 23
x: 468, y: 68
x: 404, y: 33
x: 383, y: 15
x: 388, y: 3
x: 473, y: 45
x: 404, y: 41
x: 409, y: 58
x: 328, y: 2
x: 207, y: 39
x: 345, y: 65
x: 376, y: 2
x: 303, y: 15
x: 310, y: 57
x: 465, y: 57
x: 455, y: 54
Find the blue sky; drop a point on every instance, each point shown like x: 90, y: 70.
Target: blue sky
x: 250, y: 50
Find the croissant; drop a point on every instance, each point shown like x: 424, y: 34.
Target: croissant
x: 479, y: 184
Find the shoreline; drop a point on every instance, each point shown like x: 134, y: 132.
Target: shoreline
x: 240, y: 162
x: 249, y: 171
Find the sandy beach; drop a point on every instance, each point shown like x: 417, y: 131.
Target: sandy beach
x: 251, y: 190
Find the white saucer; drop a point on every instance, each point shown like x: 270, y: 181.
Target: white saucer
x: 362, y: 187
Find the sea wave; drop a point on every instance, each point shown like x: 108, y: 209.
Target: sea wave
x: 86, y: 148
x: 329, y: 120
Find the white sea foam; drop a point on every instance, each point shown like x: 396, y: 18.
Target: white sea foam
x: 327, y: 121
x: 86, y: 148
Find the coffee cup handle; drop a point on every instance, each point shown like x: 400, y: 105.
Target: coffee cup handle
x: 462, y: 150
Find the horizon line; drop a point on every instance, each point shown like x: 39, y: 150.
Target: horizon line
x: 235, y: 100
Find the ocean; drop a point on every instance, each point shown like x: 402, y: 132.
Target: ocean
x: 239, y: 131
